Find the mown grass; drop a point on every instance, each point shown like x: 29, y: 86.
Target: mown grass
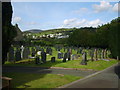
x: 95, y: 65
x: 30, y: 80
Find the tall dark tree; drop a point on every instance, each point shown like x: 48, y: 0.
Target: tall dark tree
x: 8, y: 30
x: 114, y: 42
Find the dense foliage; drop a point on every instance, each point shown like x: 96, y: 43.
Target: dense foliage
x: 8, y: 31
x: 105, y: 36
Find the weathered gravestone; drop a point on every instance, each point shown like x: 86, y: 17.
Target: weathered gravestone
x: 103, y: 54
x: 33, y: 52
x: 99, y: 54
x: 26, y: 53
x: 52, y: 59
x: 69, y: 56
x: 73, y: 57
x: 84, y: 59
x: 43, y: 57
x: 59, y: 55
x: 76, y: 57
x: 47, y: 50
x: 37, y: 59
x: 92, y: 54
x: 96, y: 56
x: 65, y: 57
x: 37, y: 48
x: 18, y: 55
x: 50, y: 51
x: 22, y: 49
x: 11, y: 54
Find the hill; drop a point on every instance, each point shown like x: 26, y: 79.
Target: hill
x: 33, y: 31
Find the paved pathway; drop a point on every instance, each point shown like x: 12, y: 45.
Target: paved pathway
x: 40, y: 70
x: 108, y: 78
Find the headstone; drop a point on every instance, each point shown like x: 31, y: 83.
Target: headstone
x: 65, y: 57
x: 59, y: 55
x: 37, y: 59
x: 52, y: 59
x: 105, y: 53
x: 26, y: 53
x: 18, y: 55
x: 76, y: 57
x: 84, y: 59
x: 11, y: 54
x: 50, y: 51
x: 22, y: 49
x: 102, y: 54
x: 37, y: 48
x: 47, y: 50
x: 33, y: 52
x: 43, y: 57
x: 96, y: 56
x: 73, y: 57
x: 39, y: 53
x: 69, y: 56
x: 92, y: 55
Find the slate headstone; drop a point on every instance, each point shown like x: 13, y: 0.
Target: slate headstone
x: 65, y: 57
x: 18, y: 55
x: 33, y: 52
x: 37, y: 59
x: 52, y: 59
x: 69, y: 56
x: 43, y: 57
x: 11, y: 54
x: 84, y: 59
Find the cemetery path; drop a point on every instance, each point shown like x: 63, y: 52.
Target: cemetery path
x: 41, y: 70
x: 107, y: 78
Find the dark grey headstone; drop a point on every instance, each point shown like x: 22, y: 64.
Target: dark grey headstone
x: 69, y: 56
x: 65, y: 57
x: 52, y: 59
x: 37, y: 59
x: 33, y: 52
x: 84, y: 59
x: 92, y: 55
x: 26, y: 53
x: 59, y: 55
x: 18, y: 55
x: 73, y: 57
x: 43, y: 57
x: 11, y: 54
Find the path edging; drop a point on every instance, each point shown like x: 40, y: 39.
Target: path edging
x: 64, y: 86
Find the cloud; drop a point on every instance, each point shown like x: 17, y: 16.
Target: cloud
x: 32, y: 23
x: 94, y: 23
x: 16, y: 19
x: 69, y: 21
x: 116, y: 7
x: 81, y: 23
x: 104, y: 6
x: 81, y: 10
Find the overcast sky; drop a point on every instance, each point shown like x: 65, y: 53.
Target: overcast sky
x: 50, y: 15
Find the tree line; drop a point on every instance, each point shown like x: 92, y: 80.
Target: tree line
x: 105, y: 36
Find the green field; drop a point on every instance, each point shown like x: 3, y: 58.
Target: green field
x: 30, y: 80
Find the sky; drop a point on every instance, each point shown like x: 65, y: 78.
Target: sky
x: 52, y: 15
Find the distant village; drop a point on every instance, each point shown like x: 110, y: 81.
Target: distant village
x: 21, y: 35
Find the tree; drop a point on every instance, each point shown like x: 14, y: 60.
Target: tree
x: 8, y: 30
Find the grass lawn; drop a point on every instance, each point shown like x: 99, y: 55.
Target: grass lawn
x: 95, y: 65
x: 30, y: 80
